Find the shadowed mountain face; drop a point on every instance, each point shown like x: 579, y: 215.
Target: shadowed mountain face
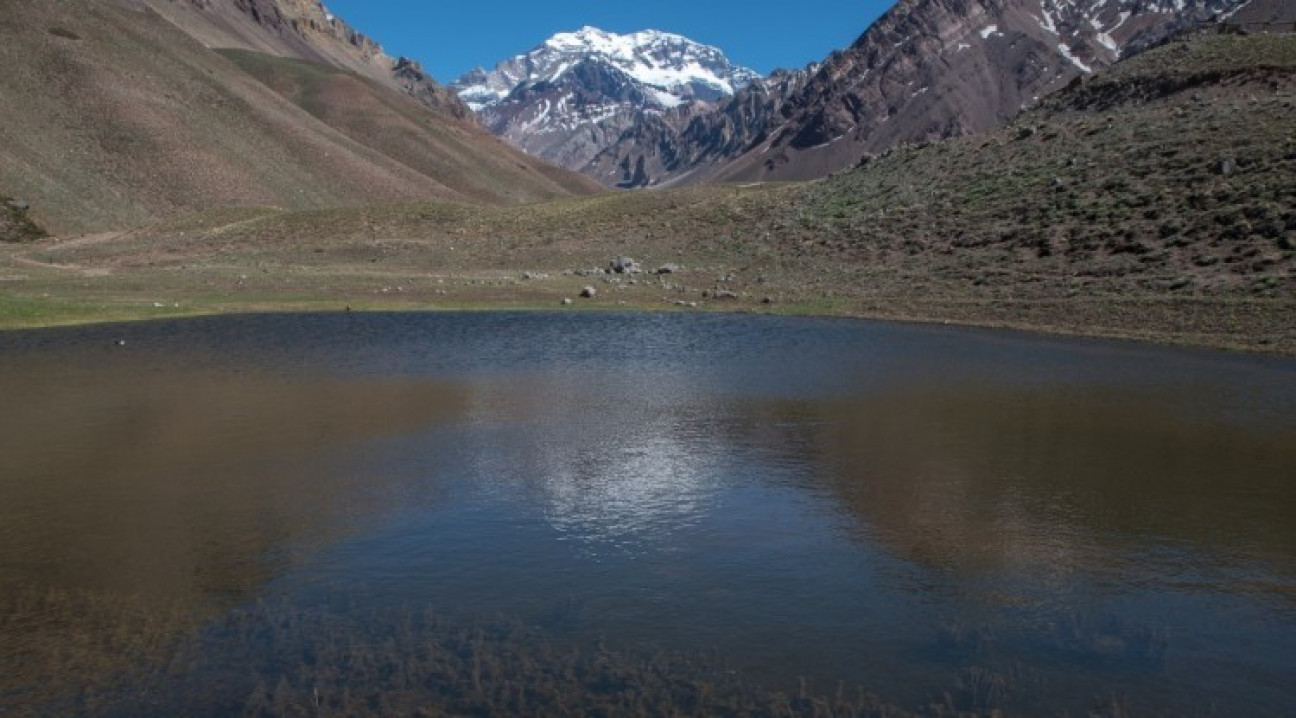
x: 927, y: 69
x: 112, y: 116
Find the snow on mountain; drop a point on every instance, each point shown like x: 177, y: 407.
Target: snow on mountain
x: 576, y: 93
x: 925, y: 70
x: 672, y: 69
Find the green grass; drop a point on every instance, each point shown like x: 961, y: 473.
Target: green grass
x: 18, y: 312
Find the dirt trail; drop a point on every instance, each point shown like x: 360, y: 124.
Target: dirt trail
x: 22, y: 255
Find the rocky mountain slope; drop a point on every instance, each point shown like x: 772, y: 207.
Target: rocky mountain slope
x: 112, y: 116
x: 304, y: 30
x: 926, y: 69
x: 576, y: 93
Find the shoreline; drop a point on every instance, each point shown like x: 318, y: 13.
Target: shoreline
x: 1280, y: 349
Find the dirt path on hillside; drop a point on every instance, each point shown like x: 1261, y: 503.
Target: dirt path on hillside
x: 21, y: 256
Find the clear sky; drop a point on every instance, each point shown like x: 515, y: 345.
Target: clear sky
x: 450, y: 38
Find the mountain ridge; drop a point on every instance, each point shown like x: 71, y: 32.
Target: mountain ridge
x: 926, y: 69
x: 576, y: 92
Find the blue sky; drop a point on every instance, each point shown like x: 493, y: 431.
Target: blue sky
x: 450, y: 38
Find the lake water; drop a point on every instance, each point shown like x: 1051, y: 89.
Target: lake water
x: 214, y: 515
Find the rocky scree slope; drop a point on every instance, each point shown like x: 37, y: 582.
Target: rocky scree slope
x: 576, y: 93
x: 926, y: 69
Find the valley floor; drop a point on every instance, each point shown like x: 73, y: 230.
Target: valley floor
x: 455, y: 257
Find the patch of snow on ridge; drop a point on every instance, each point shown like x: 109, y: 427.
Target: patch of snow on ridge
x: 673, y: 68
x: 1046, y: 20
x: 666, y: 99
x: 1066, y: 52
x: 989, y: 30
x: 1104, y: 36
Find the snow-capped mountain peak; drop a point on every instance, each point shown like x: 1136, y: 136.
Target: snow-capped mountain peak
x: 672, y: 69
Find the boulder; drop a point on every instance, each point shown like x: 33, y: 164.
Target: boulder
x: 589, y: 292
x: 625, y: 265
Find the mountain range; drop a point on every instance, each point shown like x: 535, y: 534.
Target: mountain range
x: 927, y: 69
x: 119, y: 113
x: 577, y: 93
x: 167, y: 157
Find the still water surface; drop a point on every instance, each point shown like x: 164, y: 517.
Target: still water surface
x: 878, y: 505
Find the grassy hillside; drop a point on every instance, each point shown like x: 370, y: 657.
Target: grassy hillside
x: 1152, y: 201
x: 112, y: 117
x: 1173, y: 174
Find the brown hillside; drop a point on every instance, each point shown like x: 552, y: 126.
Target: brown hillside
x: 304, y: 30
x: 384, y: 120
x: 111, y: 116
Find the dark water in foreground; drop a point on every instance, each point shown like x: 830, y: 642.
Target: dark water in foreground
x: 1033, y: 522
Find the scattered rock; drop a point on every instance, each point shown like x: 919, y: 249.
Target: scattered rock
x: 767, y: 300
x: 625, y: 265
x: 534, y: 275
x: 725, y: 294
x: 566, y: 301
x: 589, y: 292
x: 668, y: 268
x: 1228, y: 166
x: 19, y: 205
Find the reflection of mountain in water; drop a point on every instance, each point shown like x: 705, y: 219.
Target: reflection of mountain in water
x: 613, y: 460
x: 126, y: 495
x: 1001, y: 482
x: 177, y: 484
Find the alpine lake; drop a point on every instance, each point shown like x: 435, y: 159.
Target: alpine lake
x: 591, y: 513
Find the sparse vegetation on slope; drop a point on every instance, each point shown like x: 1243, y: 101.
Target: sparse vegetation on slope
x: 1173, y: 174
x: 15, y: 226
